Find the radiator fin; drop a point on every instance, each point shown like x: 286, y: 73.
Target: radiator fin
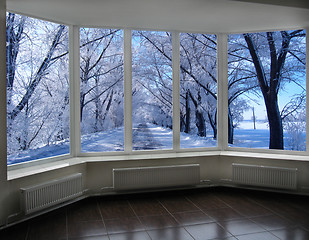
x: 45, y: 195
x: 154, y: 177
x: 265, y: 176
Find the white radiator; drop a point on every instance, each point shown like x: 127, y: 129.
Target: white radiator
x: 47, y: 194
x: 154, y: 177
x: 274, y: 177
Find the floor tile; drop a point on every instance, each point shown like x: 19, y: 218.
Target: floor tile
x: 175, y: 205
x: 89, y: 228
x: 207, y: 231
x: 229, y: 238
x: 224, y: 214
x: 300, y: 202
x: 99, y: 237
x: 170, y: 234
x: 192, y: 218
x: 280, y: 206
x: 125, y: 224
x: 306, y: 227
x: 159, y: 221
x: 258, y: 236
x: 51, y: 226
x: 85, y: 210
x: 295, y: 233
x: 206, y: 201
x: 214, y: 213
x: 130, y: 236
x: 231, y: 197
x: 272, y: 222
x: 251, y: 210
x: 241, y: 227
x: 115, y: 209
x: 147, y: 207
x: 297, y: 216
x: 17, y: 232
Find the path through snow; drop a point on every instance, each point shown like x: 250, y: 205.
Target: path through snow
x: 143, y: 138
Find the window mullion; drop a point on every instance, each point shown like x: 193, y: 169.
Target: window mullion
x: 127, y: 65
x: 74, y: 59
x: 176, y: 90
x: 222, y: 55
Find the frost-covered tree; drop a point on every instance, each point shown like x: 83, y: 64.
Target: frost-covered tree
x: 198, y: 66
x: 263, y: 64
x: 37, y: 83
x: 152, y: 78
x: 295, y: 127
x: 101, y: 74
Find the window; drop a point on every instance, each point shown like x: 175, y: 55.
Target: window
x: 267, y: 90
x: 101, y: 90
x: 152, y: 90
x: 198, y: 90
x: 37, y: 89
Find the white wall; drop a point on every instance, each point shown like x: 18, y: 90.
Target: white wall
x: 98, y: 175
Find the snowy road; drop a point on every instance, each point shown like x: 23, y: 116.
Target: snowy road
x: 143, y: 138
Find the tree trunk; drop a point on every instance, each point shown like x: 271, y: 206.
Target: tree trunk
x: 230, y: 128
x: 275, y: 123
x: 82, y: 105
x: 199, y: 117
x: 270, y: 90
x: 97, y: 106
x: 213, y: 123
x: 182, y: 122
x: 84, y: 80
x: 188, y: 112
x: 108, y: 105
x: 62, y: 132
x: 200, y: 123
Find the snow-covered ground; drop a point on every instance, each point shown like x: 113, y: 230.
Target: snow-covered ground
x: 245, y: 136
x: 248, y: 124
x: 147, y: 137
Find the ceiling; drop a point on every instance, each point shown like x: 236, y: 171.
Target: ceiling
x: 213, y: 16
x: 290, y: 3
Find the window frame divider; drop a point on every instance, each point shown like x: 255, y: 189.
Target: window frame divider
x: 222, y: 91
x: 127, y: 79
x: 74, y: 66
x: 176, y: 89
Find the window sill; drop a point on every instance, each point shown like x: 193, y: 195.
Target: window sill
x: 28, y: 170
x: 25, y: 170
x: 260, y: 155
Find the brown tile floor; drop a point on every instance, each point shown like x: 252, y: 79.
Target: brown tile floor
x: 211, y: 213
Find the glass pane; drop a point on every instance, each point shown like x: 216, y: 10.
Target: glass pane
x: 37, y: 89
x: 152, y: 90
x: 267, y: 90
x: 198, y: 90
x: 101, y: 90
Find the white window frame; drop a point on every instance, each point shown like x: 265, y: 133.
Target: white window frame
x: 222, y: 106
x: 276, y: 152
x: 71, y: 103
